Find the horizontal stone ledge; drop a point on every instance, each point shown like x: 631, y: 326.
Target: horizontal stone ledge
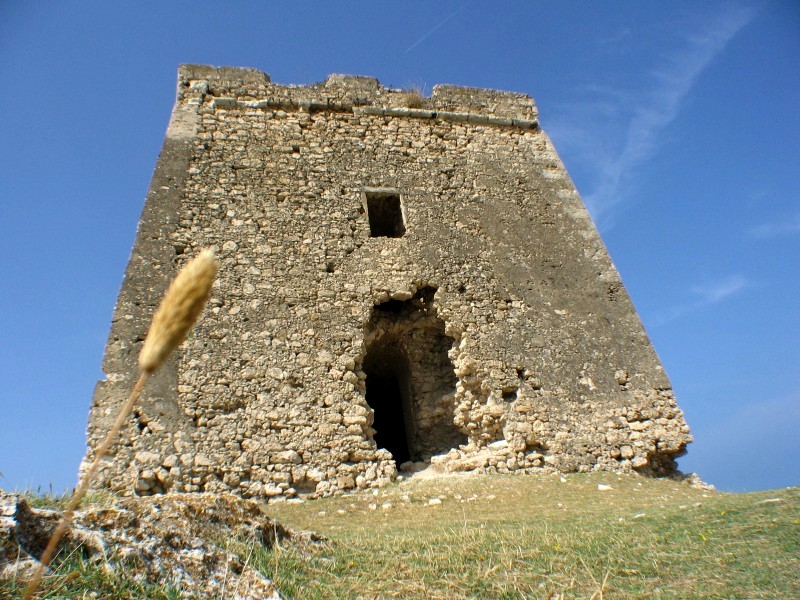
x: 281, y: 103
x: 395, y: 112
x: 415, y: 113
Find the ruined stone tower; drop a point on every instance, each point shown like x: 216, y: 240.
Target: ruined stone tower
x: 402, y: 278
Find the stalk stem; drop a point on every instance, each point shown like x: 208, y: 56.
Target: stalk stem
x: 83, y: 487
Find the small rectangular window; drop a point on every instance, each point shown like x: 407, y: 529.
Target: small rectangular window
x: 385, y: 214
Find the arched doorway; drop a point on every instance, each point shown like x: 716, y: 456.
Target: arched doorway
x: 411, y: 382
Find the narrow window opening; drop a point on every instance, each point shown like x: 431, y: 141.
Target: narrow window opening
x: 385, y: 215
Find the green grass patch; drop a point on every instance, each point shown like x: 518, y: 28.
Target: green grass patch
x: 75, y: 577
x: 539, y: 537
x: 506, y: 537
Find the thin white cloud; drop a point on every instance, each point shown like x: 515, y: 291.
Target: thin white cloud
x: 790, y: 226
x: 714, y: 292
x: 617, y: 37
x: 703, y: 296
x: 643, y: 114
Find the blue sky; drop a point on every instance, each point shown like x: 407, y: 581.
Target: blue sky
x: 677, y: 121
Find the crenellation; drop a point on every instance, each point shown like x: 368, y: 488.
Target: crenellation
x: 353, y: 82
x: 233, y: 88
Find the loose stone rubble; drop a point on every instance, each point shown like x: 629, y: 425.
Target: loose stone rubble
x: 399, y: 281
x: 170, y: 540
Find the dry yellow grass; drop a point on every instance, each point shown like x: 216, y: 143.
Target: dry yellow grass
x: 413, y: 98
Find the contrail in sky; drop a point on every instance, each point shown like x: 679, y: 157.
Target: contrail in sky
x: 432, y: 31
x: 656, y: 109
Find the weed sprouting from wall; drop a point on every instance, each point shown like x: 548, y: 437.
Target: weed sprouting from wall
x: 413, y: 98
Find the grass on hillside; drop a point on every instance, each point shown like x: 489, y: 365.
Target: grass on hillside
x: 512, y: 537
x: 539, y: 537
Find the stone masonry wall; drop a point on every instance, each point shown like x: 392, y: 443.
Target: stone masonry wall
x: 547, y: 365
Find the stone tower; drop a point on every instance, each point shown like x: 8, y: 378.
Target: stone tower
x: 402, y: 279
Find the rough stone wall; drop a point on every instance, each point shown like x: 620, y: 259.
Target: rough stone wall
x: 548, y: 366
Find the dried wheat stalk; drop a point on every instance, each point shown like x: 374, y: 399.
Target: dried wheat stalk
x: 175, y: 316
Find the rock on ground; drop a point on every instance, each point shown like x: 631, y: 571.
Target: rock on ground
x: 180, y: 540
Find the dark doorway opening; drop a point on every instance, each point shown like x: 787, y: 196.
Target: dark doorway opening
x: 410, y: 381
x: 385, y: 396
